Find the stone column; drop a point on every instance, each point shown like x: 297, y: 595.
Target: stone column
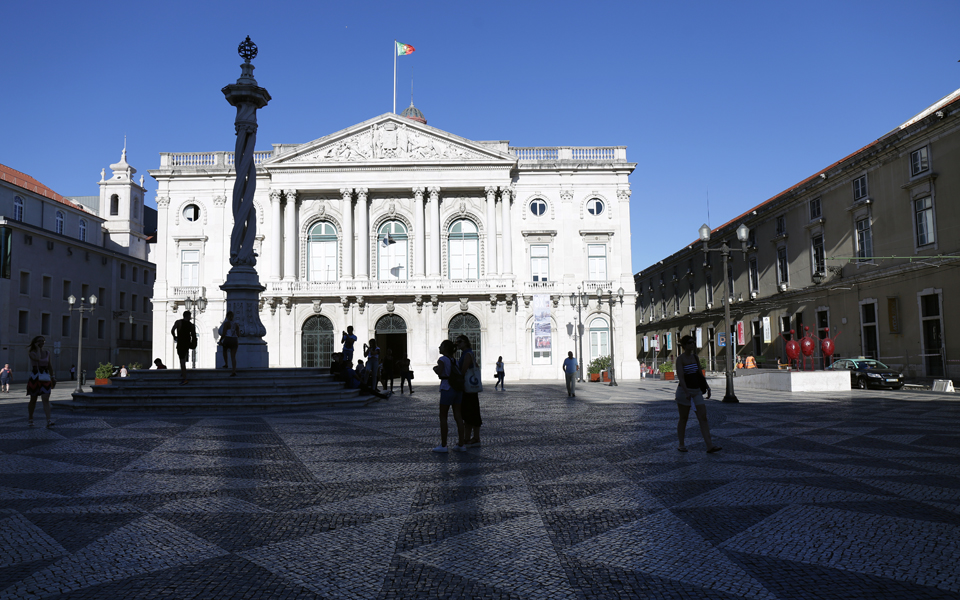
x: 290, y: 237
x: 275, y: 237
x: 505, y: 193
x: 346, y: 237
x: 434, y: 231
x: 363, y: 235
x: 491, y: 227
x: 419, y: 242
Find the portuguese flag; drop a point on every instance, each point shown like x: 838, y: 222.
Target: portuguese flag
x: 404, y: 49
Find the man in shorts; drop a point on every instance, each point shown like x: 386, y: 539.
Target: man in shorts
x: 185, y: 337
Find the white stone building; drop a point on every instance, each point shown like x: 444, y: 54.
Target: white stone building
x: 410, y: 234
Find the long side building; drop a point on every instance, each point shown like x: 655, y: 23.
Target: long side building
x: 860, y: 252
x: 411, y: 234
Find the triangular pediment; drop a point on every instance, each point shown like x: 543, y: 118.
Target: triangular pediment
x: 393, y: 139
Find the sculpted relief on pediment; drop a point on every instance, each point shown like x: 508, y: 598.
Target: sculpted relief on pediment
x: 388, y: 141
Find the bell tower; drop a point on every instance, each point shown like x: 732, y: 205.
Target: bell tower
x: 121, y: 204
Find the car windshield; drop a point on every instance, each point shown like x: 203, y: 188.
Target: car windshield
x: 870, y: 364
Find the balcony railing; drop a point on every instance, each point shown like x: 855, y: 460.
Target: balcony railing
x: 188, y: 291
x: 586, y: 153
x: 223, y: 160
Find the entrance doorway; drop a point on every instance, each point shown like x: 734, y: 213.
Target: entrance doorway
x: 316, y: 344
x: 468, y: 325
x: 391, y: 334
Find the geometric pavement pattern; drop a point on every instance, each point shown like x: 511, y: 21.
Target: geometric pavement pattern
x: 853, y: 496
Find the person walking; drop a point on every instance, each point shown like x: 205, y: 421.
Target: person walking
x: 41, y: 381
x: 185, y: 337
x: 348, y: 339
x: 372, y: 353
x: 643, y: 369
x: 405, y: 373
x: 470, y: 404
x: 570, y: 369
x: 73, y: 372
x: 230, y: 340
x: 500, y: 374
x: 448, y: 396
x: 6, y: 375
x: 691, y: 384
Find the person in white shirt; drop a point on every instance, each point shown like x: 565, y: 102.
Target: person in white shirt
x: 123, y: 371
x: 570, y: 369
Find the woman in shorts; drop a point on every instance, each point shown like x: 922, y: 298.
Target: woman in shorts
x: 689, y: 391
x: 448, y: 396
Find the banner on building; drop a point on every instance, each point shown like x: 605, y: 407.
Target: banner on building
x: 646, y: 344
x: 656, y: 342
x: 669, y: 341
x: 699, y: 337
x: 542, y: 339
x: 767, y: 334
x: 740, y: 339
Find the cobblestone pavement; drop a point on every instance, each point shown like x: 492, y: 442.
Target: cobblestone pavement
x: 854, y: 496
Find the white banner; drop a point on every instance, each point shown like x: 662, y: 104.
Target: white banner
x: 767, y: 335
x: 699, y: 337
x: 646, y: 344
x: 542, y: 339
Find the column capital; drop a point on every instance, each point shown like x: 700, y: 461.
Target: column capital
x: 346, y: 193
x: 506, y: 192
x: 490, y: 191
x: 275, y: 195
x: 434, y: 191
x: 418, y: 191
x: 290, y: 194
x: 361, y: 193
x: 163, y: 201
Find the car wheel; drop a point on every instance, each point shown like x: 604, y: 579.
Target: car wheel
x: 861, y: 384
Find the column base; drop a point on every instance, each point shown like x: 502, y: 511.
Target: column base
x: 243, y: 291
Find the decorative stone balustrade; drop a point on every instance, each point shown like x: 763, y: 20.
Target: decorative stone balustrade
x: 561, y: 153
x: 223, y: 160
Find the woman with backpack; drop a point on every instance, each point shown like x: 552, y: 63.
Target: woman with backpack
x: 451, y: 387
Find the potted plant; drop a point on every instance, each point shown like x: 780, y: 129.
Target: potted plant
x: 104, y: 371
x: 666, y: 370
x: 597, y: 366
x: 703, y: 366
x: 135, y: 365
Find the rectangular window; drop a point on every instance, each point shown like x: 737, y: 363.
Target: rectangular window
x: 190, y: 268
x: 25, y: 283
x: 47, y: 286
x: 23, y: 322
x: 918, y: 161
x: 597, y: 259
x: 135, y: 270
x: 819, y: 258
x: 323, y: 261
x: 676, y: 300
x: 691, y: 297
x: 868, y: 324
x: 783, y: 272
x: 864, y: 240
x: 860, y: 187
x: 730, y: 280
x: 65, y: 326
x: 6, y: 252
x: 45, y: 324
x: 146, y: 305
x: 83, y: 327
x: 926, y: 233
x: 123, y: 271
x: 931, y: 331
x: 754, y: 275
x: 781, y: 225
x: 464, y: 255
x: 122, y: 331
x: 102, y: 296
x: 146, y: 333
x: 67, y: 287
x: 133, y: 303
x: 101, y: 329
x: 133, y: 331
x: 84, y: 288
x: 540, y: 263
x: 146, y: 277
x: 123, y: 300
x: 815, y: 209
x: 709, y: 287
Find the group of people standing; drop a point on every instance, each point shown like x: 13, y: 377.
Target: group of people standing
x: 380, y: 368
x: 453, y: 394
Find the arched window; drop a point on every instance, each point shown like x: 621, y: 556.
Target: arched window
x: 83, y: 230
x: 463, y: 251
x: 18, y: 209
x: 59, y: 222
x: 114, y: 205
x: 599, y: 338
x: 316, y: 342
x: 322, y: 252
x: 468, y: 325
x: 392, y: 251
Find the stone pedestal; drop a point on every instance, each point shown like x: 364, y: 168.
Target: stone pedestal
x: 243, y: 290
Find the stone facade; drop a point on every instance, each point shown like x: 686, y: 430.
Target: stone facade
x: 54, y: 247
x: 409, y: 234
x: 860, y: 252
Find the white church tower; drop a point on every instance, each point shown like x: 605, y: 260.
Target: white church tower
x: 121, y: 204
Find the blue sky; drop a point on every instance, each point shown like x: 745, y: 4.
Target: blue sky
x: 735, y: 100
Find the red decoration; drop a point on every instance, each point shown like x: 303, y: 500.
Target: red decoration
x: 806, y: 346
x: 793, y: 350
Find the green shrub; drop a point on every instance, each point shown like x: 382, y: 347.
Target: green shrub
x: 135, y: 365
x: 600, y: 363
x: 104, y: 371
x: 666, y: 367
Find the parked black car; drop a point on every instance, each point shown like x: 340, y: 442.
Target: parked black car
x: 867, y: 373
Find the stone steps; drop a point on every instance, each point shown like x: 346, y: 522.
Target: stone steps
x: 214, y: 389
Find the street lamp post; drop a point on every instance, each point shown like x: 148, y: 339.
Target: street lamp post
x: 199, y: 303
x: 81, y: 309
x: 578, y: 300
x: 743, y: 234
x: 613, y: 354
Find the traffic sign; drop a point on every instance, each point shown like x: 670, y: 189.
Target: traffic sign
x: 721, y: 339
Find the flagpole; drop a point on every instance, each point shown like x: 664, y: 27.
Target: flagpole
x: 394, y: 76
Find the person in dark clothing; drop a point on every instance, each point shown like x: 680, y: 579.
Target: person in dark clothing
x: 470, y: 405
x: 185, y: 338
x: 691, y: 384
